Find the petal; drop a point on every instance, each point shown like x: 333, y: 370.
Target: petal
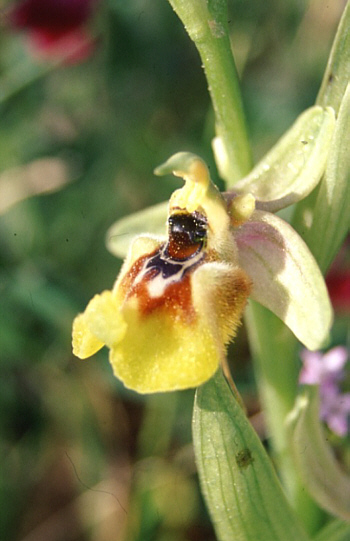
x: 294, y: 166
x: 100, y: 324
x: 338, y: 423
x: 71, y: 47
x: 160, y: 352
x: 181, y: 342
x: 84, y: 342
x: 286, y: 278
x: 335, y: 359
x: 312, y: 371
x: 220, y: 291
x: 151, y: 220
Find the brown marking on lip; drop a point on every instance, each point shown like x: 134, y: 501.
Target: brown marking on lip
x: 177, y: 296
x: 176, y: 299
x: 129, y: 278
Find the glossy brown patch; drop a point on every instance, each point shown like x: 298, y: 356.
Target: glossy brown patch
x: 187, y: 235
x: 176, y: 299
x: 181, y: 250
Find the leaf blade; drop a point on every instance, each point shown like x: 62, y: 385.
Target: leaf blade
x: 242, y: 491
x: 337, y: 74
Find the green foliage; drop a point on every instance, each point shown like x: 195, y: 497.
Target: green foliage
x: 243, y: 493
x: 82, y: 458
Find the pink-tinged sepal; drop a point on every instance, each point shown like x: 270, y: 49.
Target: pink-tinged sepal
x: 286, y: 277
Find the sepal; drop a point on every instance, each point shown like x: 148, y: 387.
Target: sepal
x: 151, y: 220
x: 294, y: 166
x: 285, y: 276
x: 325, y: 224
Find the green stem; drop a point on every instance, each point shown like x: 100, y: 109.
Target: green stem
x: 206, y: 24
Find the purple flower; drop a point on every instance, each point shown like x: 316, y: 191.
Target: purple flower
x: 320, y: 368
x: 335, y: 409
x: 327, y: 370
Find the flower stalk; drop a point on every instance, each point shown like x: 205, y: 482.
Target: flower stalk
x: 206, y: 24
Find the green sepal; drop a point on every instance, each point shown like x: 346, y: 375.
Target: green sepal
x: 151, y: 220
x: 242, y: 491
x: 286, y: 277
x: 325, y: 223
x: 320, y: 472
x: 294, y: 166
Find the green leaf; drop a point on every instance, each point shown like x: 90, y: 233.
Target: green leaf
x: 294, y: 166
x: 337, y: 530
x: 286, y: 278
x: 337, y: 74
x: 324, y: 226
x: 243, y: 494
x: 322, y: 475
x: 152, y: 220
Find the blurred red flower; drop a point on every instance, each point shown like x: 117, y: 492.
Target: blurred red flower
x: 338, y: 280
x: 56, y: 28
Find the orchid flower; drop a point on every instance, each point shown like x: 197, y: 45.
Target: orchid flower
x: 321, y: 470
x: 179, y: 297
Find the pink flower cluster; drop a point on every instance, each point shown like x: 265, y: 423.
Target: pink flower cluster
x: 327, y: 371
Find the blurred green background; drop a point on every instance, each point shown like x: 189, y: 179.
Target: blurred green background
x: 81, y: 457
